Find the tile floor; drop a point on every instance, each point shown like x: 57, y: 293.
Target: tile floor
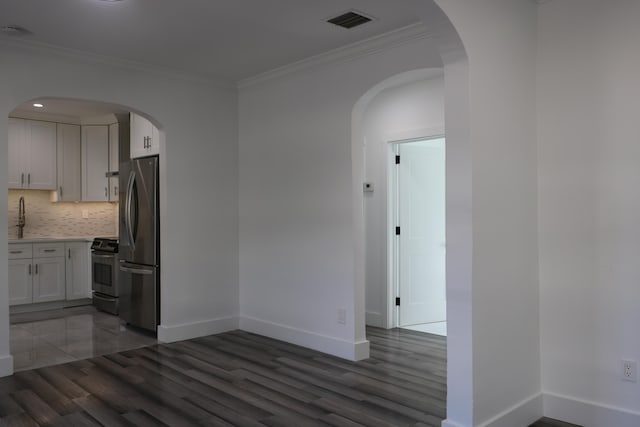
x: 59, y: 336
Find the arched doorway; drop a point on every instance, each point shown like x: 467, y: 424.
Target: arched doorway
x: 65, y: 302
x: 458, y: 217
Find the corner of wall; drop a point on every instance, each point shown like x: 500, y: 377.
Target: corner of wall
x: 185, y: 331
x: 356, y: 350
x: 521, y: 414
x: 6, y: 365
x: 584, y: 412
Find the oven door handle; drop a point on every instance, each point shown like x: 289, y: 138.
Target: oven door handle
x: 94, y: 255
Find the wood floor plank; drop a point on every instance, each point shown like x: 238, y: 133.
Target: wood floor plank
x: 35, y: 407
x: 18, y: 420
x: 59, y: 402
x: 8, y: 407
x: 140, y: 418
x: 76, y: 419
x: 235, y: 418
x: 101, y: 412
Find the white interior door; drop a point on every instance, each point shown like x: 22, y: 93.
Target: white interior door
x: 421, y: 243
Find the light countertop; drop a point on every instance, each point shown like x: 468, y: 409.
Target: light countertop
x: 50, y: 239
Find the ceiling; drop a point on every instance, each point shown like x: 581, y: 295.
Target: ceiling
x: 229, y: 40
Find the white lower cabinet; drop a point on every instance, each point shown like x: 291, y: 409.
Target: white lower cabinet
x: 48, y: 279
x: 20, y: 282
x: 46, y: 272
x: 78, y: 270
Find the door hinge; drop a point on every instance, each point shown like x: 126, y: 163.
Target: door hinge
x: 397, y: 230
x: 397, y: 159
x: 397, y: 300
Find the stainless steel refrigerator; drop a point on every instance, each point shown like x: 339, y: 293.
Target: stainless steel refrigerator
x: 140, y: 243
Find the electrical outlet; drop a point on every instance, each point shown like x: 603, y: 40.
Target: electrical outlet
x: 342, y: 316
x: 630, y: 370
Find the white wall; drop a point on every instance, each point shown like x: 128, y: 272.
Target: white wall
x: 296, y: 235
x: 500, y: 40
x: 198, y: 177
x: 588, y: 115
x: 409, y: 109
x: 296, y: 210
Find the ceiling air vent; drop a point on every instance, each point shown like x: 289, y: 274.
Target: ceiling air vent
x: 14, y: 30
x: 349, y: 20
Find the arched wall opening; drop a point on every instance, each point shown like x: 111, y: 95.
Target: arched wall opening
x: 64, y: 155
x: 445, y: 37
x: 198, y: 171
x: 407, y: 106
x: 458, y: 227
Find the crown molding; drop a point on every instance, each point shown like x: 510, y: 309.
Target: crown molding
x: 94, y: 58
x: 345, y: 53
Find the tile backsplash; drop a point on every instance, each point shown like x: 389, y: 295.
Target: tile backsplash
x: 45, y: 218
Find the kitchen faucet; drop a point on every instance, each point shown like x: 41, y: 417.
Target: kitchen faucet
x: 21, y: 218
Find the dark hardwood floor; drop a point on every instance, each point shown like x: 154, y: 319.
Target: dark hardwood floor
x: 548, y: 422
x: 238, y: 379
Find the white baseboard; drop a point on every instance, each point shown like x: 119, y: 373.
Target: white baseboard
x: 6, y: 365
x: 374, y: 319
x: 341, y: 348
x: 587, y: 413
x: 521, y: 414
x: 185, y: 331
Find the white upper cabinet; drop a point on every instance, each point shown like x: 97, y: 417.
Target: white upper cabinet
x: 145, y: 140
x: 95, y: 163
x: 69, y: 173
x: 114, y: 162
x: 32, y: 154
x: 16, y: 154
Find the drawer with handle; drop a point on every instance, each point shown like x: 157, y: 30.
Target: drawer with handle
x: 45, y: 250
x: 20, y: 250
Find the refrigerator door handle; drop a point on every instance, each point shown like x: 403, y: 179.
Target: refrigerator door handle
x: 127, y: 216
x: 134, y: 270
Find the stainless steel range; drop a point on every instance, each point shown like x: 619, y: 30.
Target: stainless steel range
x: 105, y: 273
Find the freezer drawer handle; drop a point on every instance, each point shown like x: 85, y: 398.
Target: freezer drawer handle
x: 136, y: 270
x: 96, y: 296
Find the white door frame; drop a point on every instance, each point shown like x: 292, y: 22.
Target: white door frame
x: 393, y: 252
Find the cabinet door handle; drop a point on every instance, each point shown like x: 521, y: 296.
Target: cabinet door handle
x: 28, y: 179
x: 69, y: 253
x: 49, y: 250
x: 115, y: 190
x: 36, y: 268
x: 61, y: 193
x: 15, y: 252
x: 22, y: 178
x: 106, y: 192
x: 29, y: 269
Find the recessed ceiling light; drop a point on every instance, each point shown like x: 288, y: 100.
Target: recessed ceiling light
x: 38, y: 105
